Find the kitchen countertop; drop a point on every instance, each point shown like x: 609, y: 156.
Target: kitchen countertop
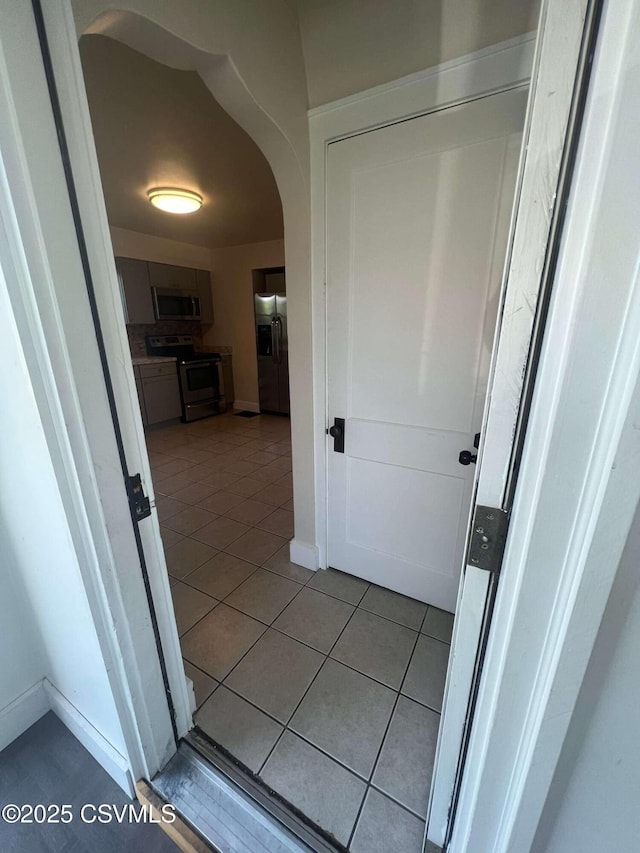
x: 152, y: 359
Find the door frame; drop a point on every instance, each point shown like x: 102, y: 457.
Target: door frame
x: 495, y: 69
x: 504, y: 787
x: 579, y: 480
x: 48, y: 292
x: 565, y: 37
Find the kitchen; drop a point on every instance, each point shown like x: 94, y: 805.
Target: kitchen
x: 171, y: 132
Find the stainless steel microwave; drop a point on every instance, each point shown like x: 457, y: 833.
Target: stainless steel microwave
x: 169, y: 303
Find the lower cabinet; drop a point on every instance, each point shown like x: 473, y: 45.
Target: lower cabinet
x: 158, y: 392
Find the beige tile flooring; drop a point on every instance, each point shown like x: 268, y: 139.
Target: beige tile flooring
x: 327, y: 687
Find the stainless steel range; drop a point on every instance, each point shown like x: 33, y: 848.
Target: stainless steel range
x: 200, y: 375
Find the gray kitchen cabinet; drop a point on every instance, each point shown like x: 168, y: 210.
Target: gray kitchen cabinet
x: 203, y: 281
x: 160, y: 392
x: 135, y: 289
x: 167, y: 275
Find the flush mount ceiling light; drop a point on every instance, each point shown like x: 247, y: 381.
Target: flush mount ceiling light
x: 174, y: 200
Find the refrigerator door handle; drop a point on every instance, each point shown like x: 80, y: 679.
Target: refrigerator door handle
x: 274, y: 340
x: 279, y: 338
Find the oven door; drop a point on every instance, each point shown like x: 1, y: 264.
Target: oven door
x: 199, y: 381
x: 173, y: 304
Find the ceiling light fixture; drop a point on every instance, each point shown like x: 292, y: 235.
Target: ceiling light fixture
x: 174, y: 200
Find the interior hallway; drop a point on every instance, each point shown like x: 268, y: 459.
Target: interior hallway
x: 327, y: 687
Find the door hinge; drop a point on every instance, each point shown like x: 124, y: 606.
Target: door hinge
x: 488, y: 536
x: 138, y: 501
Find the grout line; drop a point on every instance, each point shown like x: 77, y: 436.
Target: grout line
x: 327, y: 656
x: 273, y: 749
x: 397, y: 802
x: 180, y: 636
x: 383, y: 739
x: 295, y: 710
x: 267, y: 627
x: 307, y: 645
x: 388, y: 618
x: 302, y: 698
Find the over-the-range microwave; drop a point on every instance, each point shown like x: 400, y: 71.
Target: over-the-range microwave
x: 169, y: 303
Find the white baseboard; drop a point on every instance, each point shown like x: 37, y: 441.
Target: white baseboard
x: 304, y: 555
x: 192, y: 695
x: 23, y: 712
x: 104, y: 753
x: 246, y: 406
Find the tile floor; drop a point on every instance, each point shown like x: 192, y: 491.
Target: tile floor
x: 327, y: 687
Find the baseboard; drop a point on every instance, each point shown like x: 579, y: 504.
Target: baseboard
x: 104, y: 753
x: 23, y: 712
x: 304, y: 555
x: 192, y: 695
x: 245, y: 406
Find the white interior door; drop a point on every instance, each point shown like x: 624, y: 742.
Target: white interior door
x: 417, y: 222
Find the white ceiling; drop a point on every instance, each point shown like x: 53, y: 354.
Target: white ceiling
x: 351, y: 45
x: 155, y: 126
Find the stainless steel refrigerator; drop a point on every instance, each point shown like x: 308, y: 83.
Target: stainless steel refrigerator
x: 273, y: 352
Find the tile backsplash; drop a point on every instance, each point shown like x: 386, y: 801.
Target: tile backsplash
x: 138, y: 332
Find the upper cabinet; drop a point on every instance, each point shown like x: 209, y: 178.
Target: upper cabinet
x: 135, y: 288
x: 137, y: 278
x: 203, y: 279
x: 166, y: 275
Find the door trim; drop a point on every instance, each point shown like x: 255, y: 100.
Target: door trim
x: 102, y: 534
x: 579, y: 482
x: 91, y: 292
x: 63, y: 44
x: 540, y: 204
x: 496, y: 69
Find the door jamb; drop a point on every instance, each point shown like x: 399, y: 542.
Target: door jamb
x: 82, y: 247
x: 105, y: 545
x: 549, y: 141
x: 579, y: 482
x: 63, y: 42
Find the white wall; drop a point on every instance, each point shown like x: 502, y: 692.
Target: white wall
x: 233, y: 308
x: 46, y: 627
x: 23, y: 660
x: 350, y: 46
x: 146, y: 247
x: 593, y: 802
